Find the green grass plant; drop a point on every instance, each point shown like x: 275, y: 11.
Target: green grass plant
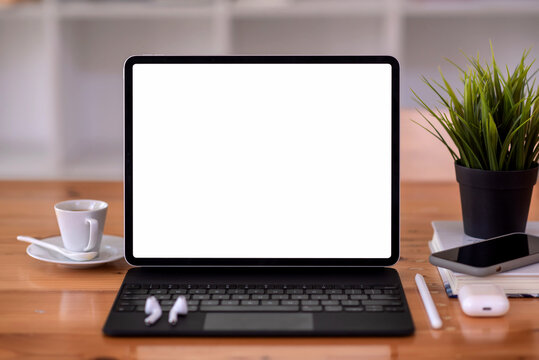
x: 493, y: 121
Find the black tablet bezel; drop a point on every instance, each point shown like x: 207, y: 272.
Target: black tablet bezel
x: 235, y: 262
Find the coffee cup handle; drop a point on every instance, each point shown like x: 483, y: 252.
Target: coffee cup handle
x: 93, y: 233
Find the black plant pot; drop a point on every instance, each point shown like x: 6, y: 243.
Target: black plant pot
x: 495, y: 203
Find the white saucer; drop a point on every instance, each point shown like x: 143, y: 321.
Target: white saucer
x: 112, y: 249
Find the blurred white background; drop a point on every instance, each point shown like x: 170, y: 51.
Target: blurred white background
x: 61, y: 105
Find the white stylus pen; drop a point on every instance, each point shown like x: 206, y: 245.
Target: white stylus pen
x: 434, y: 317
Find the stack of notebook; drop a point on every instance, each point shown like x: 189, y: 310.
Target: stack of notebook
x: 521, y: 282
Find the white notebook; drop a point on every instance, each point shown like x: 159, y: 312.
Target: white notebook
x: 519, y: 282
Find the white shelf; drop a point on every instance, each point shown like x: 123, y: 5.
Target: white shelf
x: 470, y: 8
x: 118, y: 10
x: 21, y: 11
x: 26, y: 163
x: 65, y: 57
x: 104, y: 166
x: 314, y: 8
x: 272, y: 9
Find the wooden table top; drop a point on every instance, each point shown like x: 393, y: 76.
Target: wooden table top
x: 51, y: 312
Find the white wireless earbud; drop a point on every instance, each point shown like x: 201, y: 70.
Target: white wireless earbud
x: 153, y: 309
x: 179, y: 308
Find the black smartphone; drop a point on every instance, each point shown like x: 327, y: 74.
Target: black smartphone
x: 490, y: 256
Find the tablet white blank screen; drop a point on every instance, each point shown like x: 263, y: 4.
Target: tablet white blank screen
x: 262, y: 161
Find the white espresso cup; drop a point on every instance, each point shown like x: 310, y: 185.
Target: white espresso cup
x: 81, y: 223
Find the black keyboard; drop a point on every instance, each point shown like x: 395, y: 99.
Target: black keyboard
x: 264, y: 298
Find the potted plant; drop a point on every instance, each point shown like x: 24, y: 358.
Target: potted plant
x: 493, y: 124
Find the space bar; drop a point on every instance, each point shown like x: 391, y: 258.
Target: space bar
x: 249, y: 308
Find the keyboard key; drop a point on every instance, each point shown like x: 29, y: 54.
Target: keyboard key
x: 158, y: 291
x: 126, y: 308
x: 333, y: 308
x: 374, y: 308
x: 333, y: 291
x: 201, y: 297
x: 235, y: 291
x: 350, y: 303
x: 166, y: 302
x: 209, y: 302
x: 372, y: 292
x: 192, y: 308
x: 249, y: 308
x: 217, y: 291
x: 381, y: 302
x: 131, y: 302
x: 330, y: 302
x: 220, y: 297
x: 391, y: 292
x: 314, y: 291
x: 132, y: 286
x: 354, y: 309
x: 275, y: 291
x: 385, y: 297
x: 311, y: 308
x: 279, y: 297
x: 240, y: 297
x: 193, y: 302
x: 134, y: 297
x: 310, y: 302
x: 260, y: 297
x: 294, y: 291
x: 255, y: 291
x: 319, y: 297
x: 178, y: 291
x: 299, y: 297
x: 270, y: 302
x: 136, y: 292
x: 230, y: 302
x: 289, y: 302
x: 359, y: 297
x: 198, y: 291
x: 338, y: 297
x: 249, y: 302
x: 353, y: 291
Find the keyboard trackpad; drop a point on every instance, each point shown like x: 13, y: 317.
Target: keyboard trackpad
x: 258, y: 321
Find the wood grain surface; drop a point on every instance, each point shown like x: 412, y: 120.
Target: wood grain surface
x: 51, y: 312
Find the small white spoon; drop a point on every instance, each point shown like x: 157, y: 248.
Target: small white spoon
x: 73, y: 255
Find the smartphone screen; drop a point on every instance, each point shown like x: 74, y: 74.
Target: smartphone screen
x: 494, y: 251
